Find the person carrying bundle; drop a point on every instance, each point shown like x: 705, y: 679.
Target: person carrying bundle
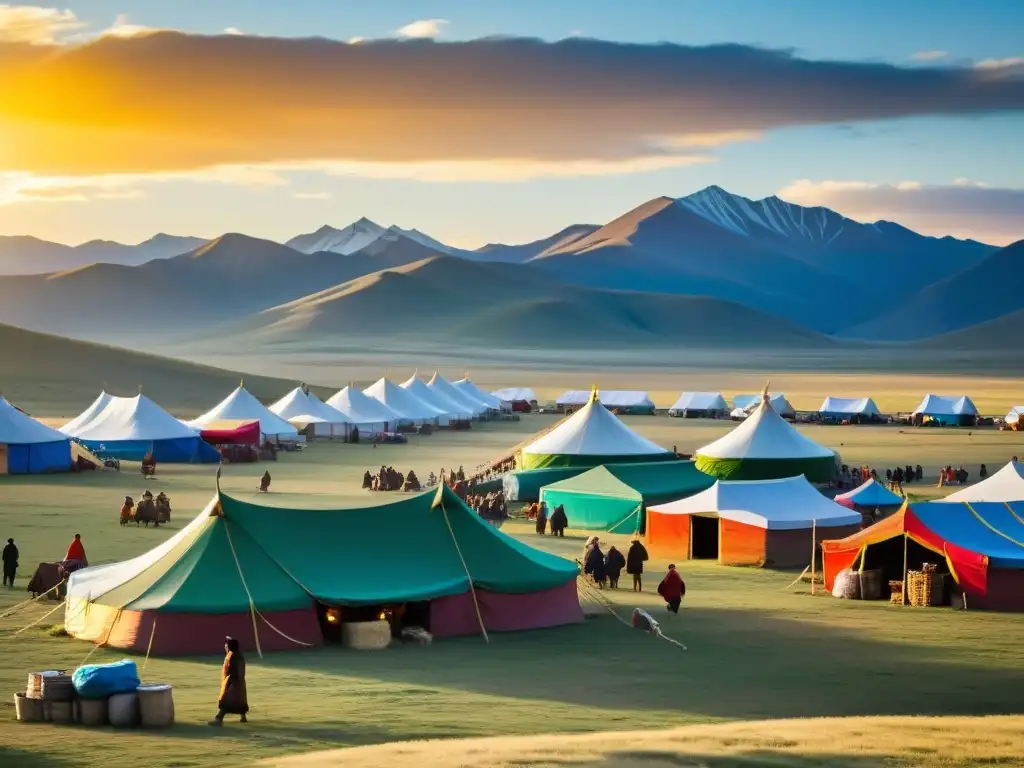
x: 265, y: 482
x: 672, y: 589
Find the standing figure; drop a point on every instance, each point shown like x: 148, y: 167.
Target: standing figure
x: 635, y: 564
x: 559, y: 522
x: 10, y: 560
x: 76, y: 551
x: 542, y: 518
x: 614, y: 562
x: 672, y: 589
x: 265, y: 482
x: 233, y: 697
x: 594, y: 566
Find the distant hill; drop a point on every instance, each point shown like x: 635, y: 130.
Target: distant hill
x: 448, y: 298
x: 991, y: 289
x: 358, y: 235
x: 520, y: 253
x: 53, y: 376
x: 31, y: 256
x: 1003, y: 333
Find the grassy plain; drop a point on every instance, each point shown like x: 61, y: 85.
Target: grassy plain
x: 756, y: 650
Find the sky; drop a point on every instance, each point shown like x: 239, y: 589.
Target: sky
x: 502, y: 121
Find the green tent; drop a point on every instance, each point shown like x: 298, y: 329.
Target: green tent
x: 614, y: 497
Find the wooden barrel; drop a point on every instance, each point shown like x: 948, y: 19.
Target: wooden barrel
x: 871, y: 584
x: 59, y: 712
x: 28, y: 709
x: 156, y: 705
x: 123, y: 710
x: 57, y: 687
x: 92, y: 712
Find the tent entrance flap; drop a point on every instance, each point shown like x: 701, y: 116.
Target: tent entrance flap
x: 704, y: 537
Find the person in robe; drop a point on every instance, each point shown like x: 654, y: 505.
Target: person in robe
x: 412, y: 483
x: 542, y: 518
x: 672, y: 588
x: 635, y: 564
x: 614, y: 562
x: 265, y: 482
x: 148, y: 464
x: 983, y: 473
x: 461, y: 474
x: 76, y: 551
x: 233, y: 698
x: 594, y: 566
x: 10, y: 562
x: 591, y: 543
x: 367, y: 479
x: 126, y: 510
x: 559, y: 522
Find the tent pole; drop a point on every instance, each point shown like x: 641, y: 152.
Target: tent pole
x: 814, y: 552
x: 472, y: 587
x: 904, y: 568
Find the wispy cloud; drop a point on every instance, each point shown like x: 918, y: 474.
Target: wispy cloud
x: 422, y: 29
x: 35, y: 25
x: 963, y: 208
x: 929, y: 55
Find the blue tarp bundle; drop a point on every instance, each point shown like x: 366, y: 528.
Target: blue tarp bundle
x: 98, y: 681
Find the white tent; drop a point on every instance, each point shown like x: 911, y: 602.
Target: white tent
x: 18, y: 428
x: 752, y: 401
x: 946, y: 405
x: 492, y: 402
x: 440, y: 385
x: 608, y: 398
x: 87, y: 415
x: 364, y: 412
x: 515, y: 395
x: 1013, y: 417
x: 240, y: 405
x: 782, y: 504
x: 28, y: 447
x: 591, y: 436
x: 849, y: 406
x: 129, y: 419
x: 301, y: 408
x: 409, y: 408
x: 449, y: 409
x: 1005, y: 485
x: 708, y: 402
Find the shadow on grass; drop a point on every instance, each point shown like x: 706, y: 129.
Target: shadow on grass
x: 742, y: 664
x: 753, y: 759
x: 21, y: 758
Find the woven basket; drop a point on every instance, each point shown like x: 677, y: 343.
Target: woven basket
x: 871, y: 584
x: 92, y: 712
x: 156, y: 705
x: 123, y: 710
x: 896, y: 589
x: 28, y: 710
x: 34, y: 690
x: 366, y: 635
x: 847, y: 585
x: 925, y: 588
x: 60, y: 712
x: 57, y: 688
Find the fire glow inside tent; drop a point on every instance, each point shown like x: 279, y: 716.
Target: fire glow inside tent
x: 28, y: 447
x: 699, y: 405
x: 978, y: 545
x: 761, y: 522
x: 265, y: 574
x: 591, y: 436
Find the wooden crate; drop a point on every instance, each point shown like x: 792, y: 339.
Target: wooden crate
x: 925, y: 588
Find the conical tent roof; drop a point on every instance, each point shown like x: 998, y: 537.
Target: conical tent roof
x: 131, y: 419
x: 17, y: 428
x: 435, y: 398
x: 357, y: 408
x: 700, y: 401
x: 240, y: 405
x: 467, y: 386
x: 766, y: 446
x: 1005, y: 485
x: 88, y: 414
x: 515, y: 395
x: 869, y: 494
x: 591, y: 436
x: 402, y: 401
x: 465, y: 400
x: 946, y: 405
x: 300, y: 405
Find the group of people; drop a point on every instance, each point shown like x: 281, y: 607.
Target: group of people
x: 895, y: 478
x: 558, y: 520
x: 495, y: 470
x: 150, y: 509
x: 949, y: 475
x: 490, y: 506
x: 607, y: 567
x: 390, y: 479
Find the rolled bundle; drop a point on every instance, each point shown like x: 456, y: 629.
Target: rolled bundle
x: 123, y: 710
x: 847, y: 585
x: 28, y: 709
x: 156, y: 705
x: 92, y: 712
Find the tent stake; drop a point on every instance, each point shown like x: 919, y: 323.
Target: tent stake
x: 904, y: 568
x: 814, y: 552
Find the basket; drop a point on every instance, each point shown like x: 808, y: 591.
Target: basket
x: 92, y: 712
x: 896, y: 588
x: 925, y: 588
x: 871, y: 584
x: 34, y: 690
x: 123, y: 710
x: 57, y: 687
x: 28, y: 709
x: 366, y: 635
x: 847, y: 585
x: 59, y: 712
x: 156, y: 705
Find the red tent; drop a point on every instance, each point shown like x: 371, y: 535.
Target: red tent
x: 247, y: 433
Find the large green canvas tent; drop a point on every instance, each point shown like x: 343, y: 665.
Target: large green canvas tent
x: 614, y: 497
x: 766, y: 447
x: 261, y: 573
x: 590, y: 437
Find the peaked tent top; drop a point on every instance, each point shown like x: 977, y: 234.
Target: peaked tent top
x: 357, y: 408
x: 18, y: 428
x: 303, y: 406
x: 436, y: 398
x: 467, y: 386
x: 240, y: 405
x: 593, y: 431
x: 515, y: 395
x: 946, y: 405
x: 1005, y: 485
x: 130, y: 418
x: 700, y: 401
x: 870, y: 494
x: 88, y: 414
x: 464, y: 400
x: 403, y: 402
x: 785, y: 504
x: 765, y: 435
x: 850, y: 405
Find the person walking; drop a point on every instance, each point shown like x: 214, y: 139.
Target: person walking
x: 234, y: 699
x: 635, y: 559
x: 672, y: 589
x: 10, y: 561
x: 614, y: 562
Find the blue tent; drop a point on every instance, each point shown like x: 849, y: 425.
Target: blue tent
x: 28, y: 447
x: 869, y: 494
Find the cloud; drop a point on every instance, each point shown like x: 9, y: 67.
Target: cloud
x: 1007, y: 63
x: 964, y: 208
x: 124, y: 29
x: 35, y: 25
x: 423, y: 29
x: 233, y: 31
x: 171, y: 102
x: 929, y: 55
x: 313, y: 196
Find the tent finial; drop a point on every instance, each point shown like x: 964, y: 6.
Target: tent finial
x: 765, y: 397
x: 593, y: 394
x: 241, y: 383
x: 140, y: 389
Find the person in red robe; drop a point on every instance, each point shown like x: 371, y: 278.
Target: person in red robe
x: 77, y: 550
x: 672, y: 589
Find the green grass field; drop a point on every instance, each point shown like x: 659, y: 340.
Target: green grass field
x: 756, y: 650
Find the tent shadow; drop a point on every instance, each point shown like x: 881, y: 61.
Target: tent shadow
x: 22, y: 758
x: 745, y: 664
x: 750, y: 759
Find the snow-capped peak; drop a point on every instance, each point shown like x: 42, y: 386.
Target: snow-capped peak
x: 352, y: 238
x: 419, y: 237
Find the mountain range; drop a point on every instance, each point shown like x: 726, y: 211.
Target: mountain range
x: 21, y: 255
x: 741, y: 271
